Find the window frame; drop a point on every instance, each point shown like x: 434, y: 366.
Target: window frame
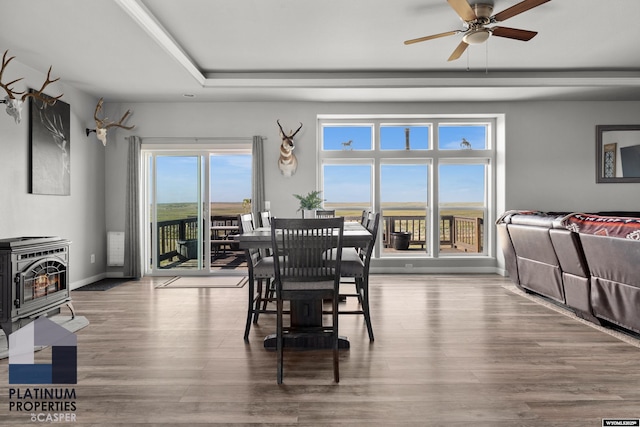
x: 433, y: 157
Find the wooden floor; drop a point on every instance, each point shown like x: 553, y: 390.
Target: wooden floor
x: 449, y: 351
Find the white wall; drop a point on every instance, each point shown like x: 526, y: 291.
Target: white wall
x: 550, y: 151
x: 551, y: 157
x: 79, y: 217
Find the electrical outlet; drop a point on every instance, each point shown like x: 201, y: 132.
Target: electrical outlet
x: 93, y: 258
x: 408, y: 266
x: 267, y: 205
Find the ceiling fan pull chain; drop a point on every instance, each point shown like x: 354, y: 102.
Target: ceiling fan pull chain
x: 467, y: 59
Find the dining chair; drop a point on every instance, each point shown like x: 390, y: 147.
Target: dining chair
x: 355, y: 265
x: 304, y: 271
x: 365, y: 216
x: 265, y: 218
x: 325, y: 213
x: 260, y: 269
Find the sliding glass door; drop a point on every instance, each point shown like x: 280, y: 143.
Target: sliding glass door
x: 177, y: 212
x: 193, y: 200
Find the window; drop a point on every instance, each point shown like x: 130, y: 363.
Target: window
x: 347, y: 188
x: 407, y: 137
x: 429, y: 177
x: 461, y: 207
x: 347, y: 138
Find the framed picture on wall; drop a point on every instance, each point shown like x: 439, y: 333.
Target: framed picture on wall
x: 50, y: 149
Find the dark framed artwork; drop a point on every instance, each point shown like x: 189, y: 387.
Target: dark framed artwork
x: 617, y: 153
x: 50, y: 149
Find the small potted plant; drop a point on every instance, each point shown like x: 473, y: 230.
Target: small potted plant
x: 309, y: 203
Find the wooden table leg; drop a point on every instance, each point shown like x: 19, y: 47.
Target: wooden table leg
x: 306, y: 314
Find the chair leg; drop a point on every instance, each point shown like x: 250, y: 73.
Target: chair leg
x: 256, y: 311
x: 247, y: 327
x: 279, y: 340
x: 364, y: 300
x: 269, y: 293
x: 336, y: 354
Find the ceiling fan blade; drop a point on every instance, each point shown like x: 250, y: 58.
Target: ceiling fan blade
x: 513, y: 33
x: 518, y: 8
x: 458, y: 52
x: 434, y: 36
x: 463, y: 9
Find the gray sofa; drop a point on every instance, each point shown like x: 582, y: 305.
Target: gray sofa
x: 588, y: 263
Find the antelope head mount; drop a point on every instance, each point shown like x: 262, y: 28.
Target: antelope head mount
x: 287, y: 162
x: 14, y: 101
x: 102, y: 125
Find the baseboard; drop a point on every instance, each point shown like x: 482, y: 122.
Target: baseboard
x: 435, y: 270
x: 80, y: 283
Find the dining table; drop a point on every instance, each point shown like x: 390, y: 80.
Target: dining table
x: 306, y: 314
x: 222, y: 236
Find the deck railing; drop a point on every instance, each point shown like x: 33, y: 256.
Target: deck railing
x: 171, y: 232
x: 177, y: 234
x: 460, y: 233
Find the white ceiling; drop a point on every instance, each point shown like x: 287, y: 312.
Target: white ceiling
x: 329, y: 50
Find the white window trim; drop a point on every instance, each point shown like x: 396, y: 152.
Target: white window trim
x: 493, y: 156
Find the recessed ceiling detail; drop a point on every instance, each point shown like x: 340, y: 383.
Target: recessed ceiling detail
x: 329, y: 51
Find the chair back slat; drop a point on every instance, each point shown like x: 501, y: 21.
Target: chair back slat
x: 265, y: 218
x: 303, y: 249
x: 245, y: 221
x: 373, y: 222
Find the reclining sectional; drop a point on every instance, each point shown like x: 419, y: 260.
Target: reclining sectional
x: 589, y: 263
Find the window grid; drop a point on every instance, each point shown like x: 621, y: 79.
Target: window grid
x: 433, y: 156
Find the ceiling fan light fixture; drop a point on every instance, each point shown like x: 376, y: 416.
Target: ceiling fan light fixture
x: 477, y: 36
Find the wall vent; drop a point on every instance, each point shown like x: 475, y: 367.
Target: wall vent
x: 115, y: 248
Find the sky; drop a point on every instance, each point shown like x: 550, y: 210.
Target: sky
x: 407, y: 182
x: 231, y: 174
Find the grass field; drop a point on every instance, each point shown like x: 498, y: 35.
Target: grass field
x: 169, y: 211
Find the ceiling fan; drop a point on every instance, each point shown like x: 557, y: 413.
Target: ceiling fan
x: 476, y: 17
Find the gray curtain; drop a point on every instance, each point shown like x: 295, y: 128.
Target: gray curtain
x: 257, y: 177
x: 132, y: 256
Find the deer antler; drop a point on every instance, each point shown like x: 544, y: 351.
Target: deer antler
x: 40, y: 96
x: 104, y: 124
x: 14, y: 105
x: 285, y: 134
x: 7, y: 86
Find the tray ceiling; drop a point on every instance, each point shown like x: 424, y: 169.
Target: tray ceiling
x: 332, y: 51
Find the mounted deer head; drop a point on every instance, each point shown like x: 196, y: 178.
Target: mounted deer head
x: 14, y: 104
x: 102, y: 124
x: 287, y: 162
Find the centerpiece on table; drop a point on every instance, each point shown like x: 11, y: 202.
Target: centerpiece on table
x: 309, y: 203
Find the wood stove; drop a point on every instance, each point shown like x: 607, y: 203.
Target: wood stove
x: 34, y: 279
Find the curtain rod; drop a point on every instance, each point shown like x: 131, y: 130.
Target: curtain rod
x: 199, y: 139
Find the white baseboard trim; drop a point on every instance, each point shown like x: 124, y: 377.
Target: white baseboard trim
x: 80, y: 283
x: 435, y: 270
